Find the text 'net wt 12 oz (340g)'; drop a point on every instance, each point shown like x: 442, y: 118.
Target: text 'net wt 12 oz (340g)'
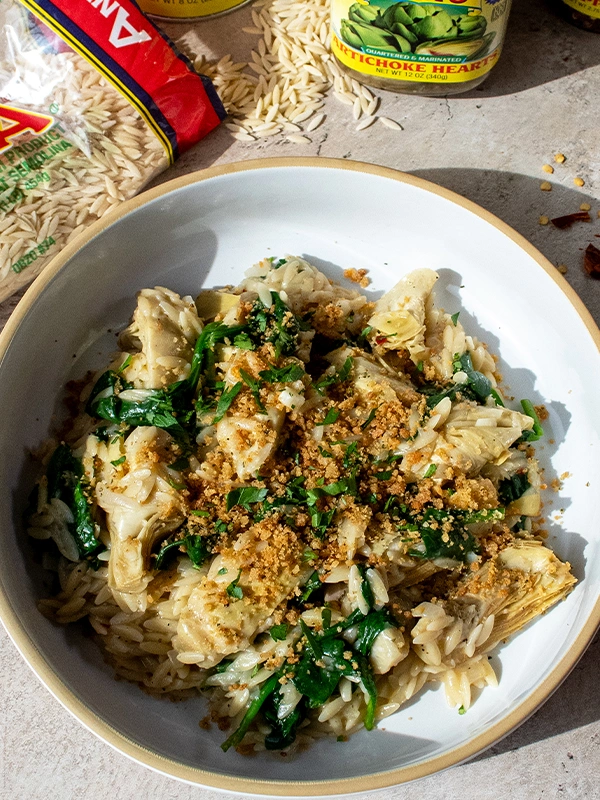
x: 94, y: 102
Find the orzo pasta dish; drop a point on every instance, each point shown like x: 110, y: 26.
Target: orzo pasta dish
x: 302, y: 504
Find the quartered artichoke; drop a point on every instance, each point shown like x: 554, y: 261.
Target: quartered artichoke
x: 408, y: 27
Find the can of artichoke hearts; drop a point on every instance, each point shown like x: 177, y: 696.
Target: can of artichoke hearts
x: 583, y: 13
x: 437, y: 48
x: 187, y: 10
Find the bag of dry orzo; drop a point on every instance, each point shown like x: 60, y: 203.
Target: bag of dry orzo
x: 94, y: 102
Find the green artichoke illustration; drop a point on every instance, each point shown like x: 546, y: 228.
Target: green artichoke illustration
x: 416, y: 28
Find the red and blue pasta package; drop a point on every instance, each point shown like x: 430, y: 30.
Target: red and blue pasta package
x: 95, y: 101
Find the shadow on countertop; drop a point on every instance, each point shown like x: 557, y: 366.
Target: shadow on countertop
x: 540, y: 47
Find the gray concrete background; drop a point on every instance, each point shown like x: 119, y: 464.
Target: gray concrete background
x: 488, y: 145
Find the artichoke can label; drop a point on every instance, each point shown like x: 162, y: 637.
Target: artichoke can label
x: 589, y: 7
x: 188, y: 9
x: 445, y: 41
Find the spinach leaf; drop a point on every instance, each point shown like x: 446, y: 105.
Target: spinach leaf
x: 279, y: 632
x: 537, y: 431
x: 477, y: 386
x: 443, y: 534
x: 312, y: 584
x: 369, y: 629
x: 477, y: 382
x: 198, y: 549
x: 265, y: 691
x: 170, y: 408
x: 365, y: 587
x: 512, y: 488
x: 368, y: 681
x: 283, y: 731
x: 325, y: 660
x: 66, y: 481
x: 318, y: 683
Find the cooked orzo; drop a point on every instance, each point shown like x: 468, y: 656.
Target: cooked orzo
x: 300, y: 503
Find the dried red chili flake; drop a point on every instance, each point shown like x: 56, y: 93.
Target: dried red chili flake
x: 569, y: 219
x: 591, y: 261
x: 381, y: 340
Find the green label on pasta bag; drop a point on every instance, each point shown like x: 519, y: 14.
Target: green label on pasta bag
x: 449, y: 41
x: 30, y: 143
x: 589, y: 7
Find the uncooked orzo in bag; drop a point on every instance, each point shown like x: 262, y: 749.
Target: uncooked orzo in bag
x: 87, y: 124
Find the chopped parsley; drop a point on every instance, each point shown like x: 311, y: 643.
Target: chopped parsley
x: 225, y: 401
x: 254, y: 386
x: 288, y: 374
x: 274, y: 324
x: 369, y: 419
x: 330, y: 417
x: 233, y: 590
x: 244, y: 496
x: 339, y: 376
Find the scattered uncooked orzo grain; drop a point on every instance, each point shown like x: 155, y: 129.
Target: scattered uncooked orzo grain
x: 292, y: 71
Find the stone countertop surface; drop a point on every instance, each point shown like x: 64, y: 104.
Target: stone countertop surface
x: 488, y: 145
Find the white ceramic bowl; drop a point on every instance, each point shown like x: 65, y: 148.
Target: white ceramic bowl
x: 205, y: 230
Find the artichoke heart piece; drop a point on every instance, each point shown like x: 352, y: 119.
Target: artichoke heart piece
x: 399, y: 318
x: 241, y: 590
x: 210, y: 303
x: 520, y: 583
x: 161, y: 338
x: 140, y: 508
